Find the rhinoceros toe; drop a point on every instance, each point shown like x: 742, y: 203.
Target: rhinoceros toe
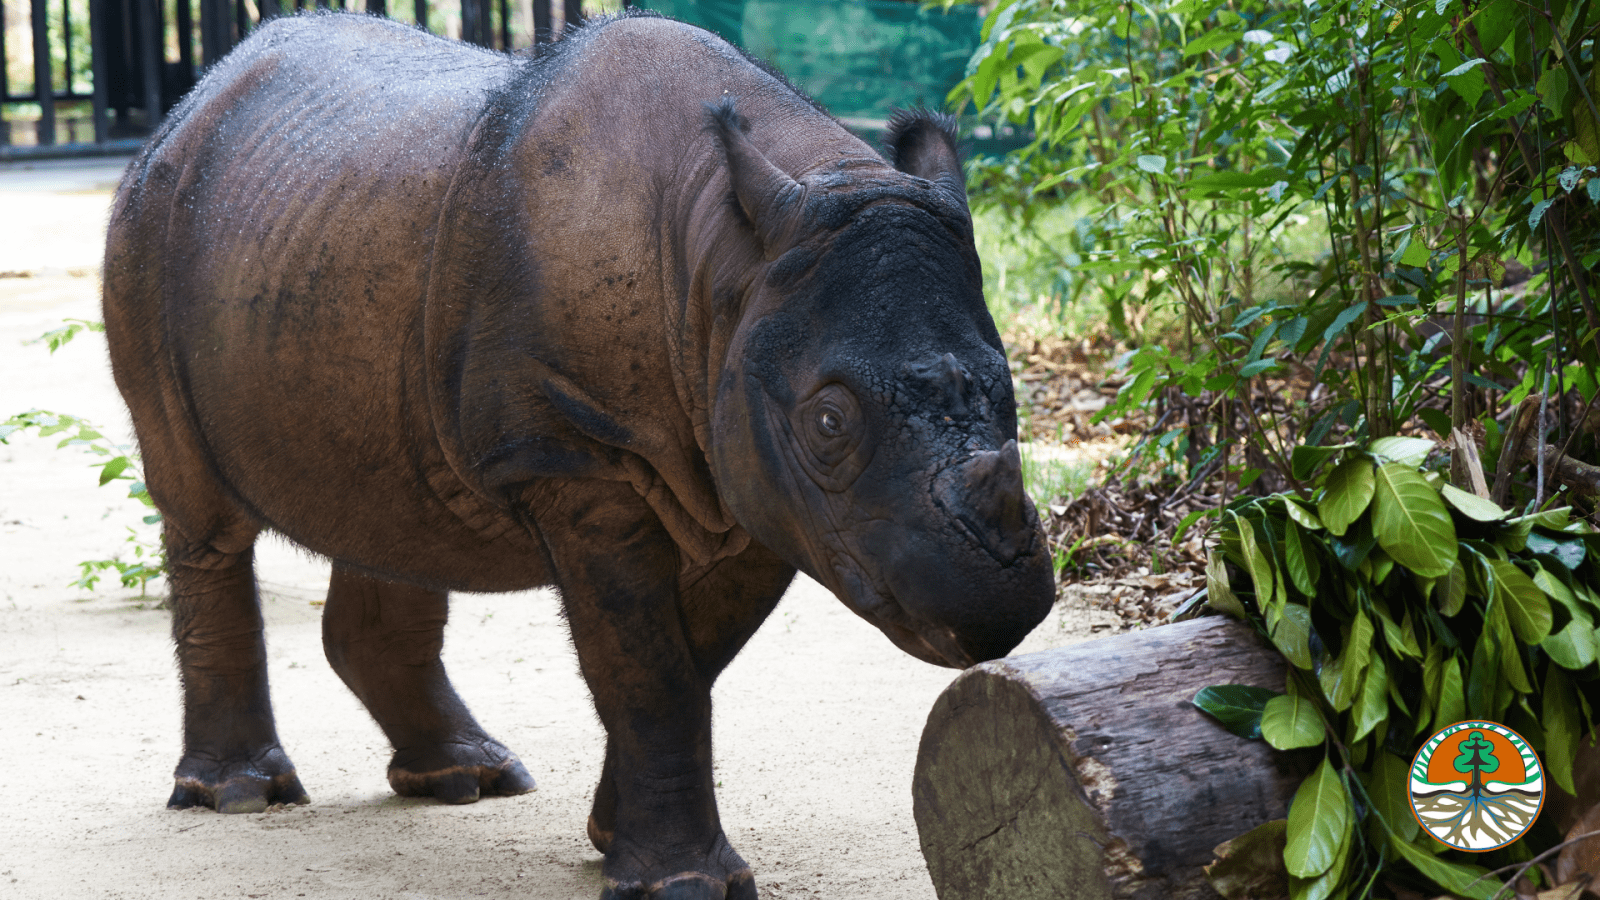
x: 686, y: 886
x: 461, y: 773
x: 237, y: 786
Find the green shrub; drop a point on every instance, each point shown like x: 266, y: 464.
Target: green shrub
x: 1403, y: 605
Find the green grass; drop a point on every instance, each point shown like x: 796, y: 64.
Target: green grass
x: 1050, y: 479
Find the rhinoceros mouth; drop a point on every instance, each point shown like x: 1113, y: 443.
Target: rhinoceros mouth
x: 876, y: 603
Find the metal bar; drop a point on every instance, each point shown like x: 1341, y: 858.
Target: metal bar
x: 270, y: 10
x: 43, y: 88
x: 420, y: 9
x: 573, y: 12
x: 381, y: 8
x: 185, y: 16
x: 5, y: 88
x: 541, y: 21
x: 66, y: 37
x: 216, y: 30
x: 505, y: 27
x: 97, y: 63
x: 149, y: 37
x: 475, y: 25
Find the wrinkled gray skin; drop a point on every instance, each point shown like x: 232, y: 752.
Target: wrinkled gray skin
x: 631, y: 318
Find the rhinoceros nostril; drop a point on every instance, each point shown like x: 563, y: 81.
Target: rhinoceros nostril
x: 986, y: 494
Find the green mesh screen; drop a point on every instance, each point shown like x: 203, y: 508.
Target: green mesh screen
x: 859, y: 58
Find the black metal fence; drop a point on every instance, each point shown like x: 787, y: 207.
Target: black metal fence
x: 86, y: 76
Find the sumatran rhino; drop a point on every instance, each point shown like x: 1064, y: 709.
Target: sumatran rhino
x: 631, y: 318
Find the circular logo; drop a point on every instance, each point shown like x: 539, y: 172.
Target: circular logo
x: 1476, y: 786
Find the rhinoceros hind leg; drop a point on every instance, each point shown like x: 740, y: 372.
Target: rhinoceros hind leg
x: 232, y: 761
x: 384, y: 638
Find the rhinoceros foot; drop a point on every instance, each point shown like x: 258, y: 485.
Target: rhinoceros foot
x: 460, y: 772
x: 735, y: 881
x: 237, y: 786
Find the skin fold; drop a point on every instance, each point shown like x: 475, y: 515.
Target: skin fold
x: 631, y: 318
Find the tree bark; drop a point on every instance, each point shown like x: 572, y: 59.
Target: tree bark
x: 1086, y: 772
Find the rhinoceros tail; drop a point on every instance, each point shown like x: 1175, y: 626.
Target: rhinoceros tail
x: 923, y: 143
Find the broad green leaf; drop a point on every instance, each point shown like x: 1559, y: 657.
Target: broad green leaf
x: 1402, y: 641
x: 1513, y: 676
x: 1291, y: 721
x: 1211, y: 40
x: 1237, y: 706
x: 1319, y: 823
x: 1304, y: 460
x: 1465, y: 880
x: 1372, y: 709
x: 1407, y: 451
x: 1255, y: 562
x: 1555, y: 519
x: 1450, y: 594
x: 1555, y: 588
x: 1338, y: 685
x: 1155, y: 165
x: 1303, y: 517
x: 1358, y: 645
x: 1377, y: 567
x: 112, y: 469
x: 1450, y: 705
x: 1410, y: 521
x: 1353, y: 547
x: 1219, y: 596
x: 1561, y: 728
x: 1322, y: 886
x: 1301, y: 560
x: 1346, y: 494
x: 1573, y: 647
x: 1291, y: 634
x: 1526, y: 606
x: 1389, y: 789
x: 1567, y: 551
x: 1483, y: 677
x: 1471, y: 505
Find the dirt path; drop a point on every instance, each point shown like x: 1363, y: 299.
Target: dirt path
x: 817, y: 721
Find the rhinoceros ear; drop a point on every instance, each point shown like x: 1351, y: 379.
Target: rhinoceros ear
x: 772, y: 201
x: 923, y: 143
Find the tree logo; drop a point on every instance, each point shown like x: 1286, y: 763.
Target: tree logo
x: 1476, y: 786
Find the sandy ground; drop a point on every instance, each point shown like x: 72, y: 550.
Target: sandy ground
x: 817, y: 721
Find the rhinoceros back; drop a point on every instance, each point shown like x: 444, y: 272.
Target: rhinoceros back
x: 266, y: 270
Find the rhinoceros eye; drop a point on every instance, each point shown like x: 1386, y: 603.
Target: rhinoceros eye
x: 829, y: 423
x: 831, y: 433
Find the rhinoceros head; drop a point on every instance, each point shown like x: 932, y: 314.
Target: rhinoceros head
x: 865, y: 427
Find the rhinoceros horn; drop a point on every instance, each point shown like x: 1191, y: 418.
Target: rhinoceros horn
x: 772, y: 201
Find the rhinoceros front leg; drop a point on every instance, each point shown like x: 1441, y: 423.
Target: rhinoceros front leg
x: 721, y: 608
x: 232, y: 761
x: 384, y: 639
x: 618, y: 573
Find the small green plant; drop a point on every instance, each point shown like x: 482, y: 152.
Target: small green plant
x: 1403, y: 605
x: 117, y: 463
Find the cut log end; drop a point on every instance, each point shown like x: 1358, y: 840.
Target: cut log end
x: 1087, y: 772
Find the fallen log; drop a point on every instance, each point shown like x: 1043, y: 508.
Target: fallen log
x: 1085, y: 772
